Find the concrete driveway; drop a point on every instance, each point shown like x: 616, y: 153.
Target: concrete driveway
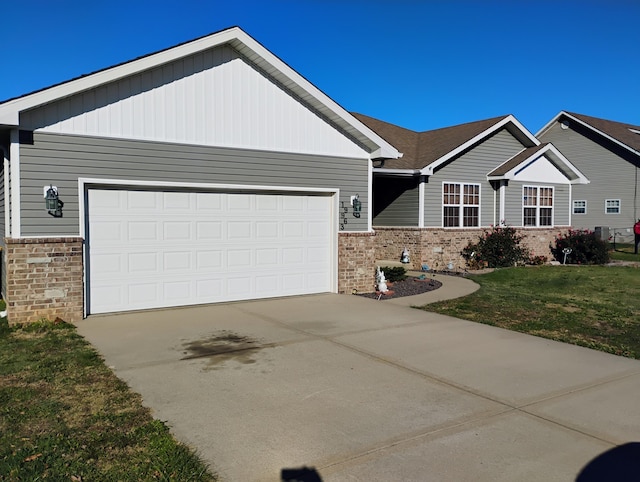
x: 373, y: 391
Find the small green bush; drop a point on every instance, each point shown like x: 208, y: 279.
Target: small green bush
x: 397, y: 273
x: 585, y: 246
x: 497, y: 248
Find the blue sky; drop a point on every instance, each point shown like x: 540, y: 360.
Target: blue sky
x: 419, y: 64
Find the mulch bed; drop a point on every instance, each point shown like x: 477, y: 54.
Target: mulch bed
x: 407, y: 287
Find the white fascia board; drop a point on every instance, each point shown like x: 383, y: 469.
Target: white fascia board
x: 550, y: 123
x: 580, y: 178
x: 549, y: 150
x: 591, y: 128
x: 428, y: 170
x: 72, y: 87
x: 243, y: 43
x: 324, y: 104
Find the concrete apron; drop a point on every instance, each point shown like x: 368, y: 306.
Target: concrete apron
x: 368, y: 390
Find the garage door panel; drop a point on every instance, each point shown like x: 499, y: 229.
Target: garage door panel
x: 159, y: 249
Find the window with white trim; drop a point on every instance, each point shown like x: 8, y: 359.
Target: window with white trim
x: 537, y: 206
x: 580, y: 207
x: 460, y: 205
x: 612, y: 206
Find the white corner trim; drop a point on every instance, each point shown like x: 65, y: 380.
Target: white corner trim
x: 370, y: 196
x: 421, y: 186
x: 7, y: 200
x: 14, y: 181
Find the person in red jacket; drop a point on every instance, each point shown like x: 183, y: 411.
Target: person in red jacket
x: 636, y: 231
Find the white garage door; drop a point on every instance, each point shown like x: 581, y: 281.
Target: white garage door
x: 150, y: 249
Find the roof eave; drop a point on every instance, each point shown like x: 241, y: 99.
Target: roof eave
x: 397, y: 172
x: 429, y: 169
x: 547, y: 126
x: 244, y: 44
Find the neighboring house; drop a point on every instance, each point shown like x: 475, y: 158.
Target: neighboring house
x: 608, y: 153
x: 210, y: 171
x: 452, y: 182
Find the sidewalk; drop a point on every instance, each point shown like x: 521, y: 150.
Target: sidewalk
x: 452, y: 287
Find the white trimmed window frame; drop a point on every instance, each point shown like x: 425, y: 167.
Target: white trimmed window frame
x: 612, y: 204
x: 579, y: 207
x: 457, y: 199
x: 535, y: 206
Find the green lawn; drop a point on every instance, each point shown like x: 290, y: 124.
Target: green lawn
x: 65, y: 416
x: 593, y: 306
x: 624, y: 252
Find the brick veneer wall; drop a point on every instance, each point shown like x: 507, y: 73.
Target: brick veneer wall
x: 356, y: 262
x: 44, y: 279
x: 437, y: 247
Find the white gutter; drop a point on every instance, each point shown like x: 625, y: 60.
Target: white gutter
x: 397, y: 172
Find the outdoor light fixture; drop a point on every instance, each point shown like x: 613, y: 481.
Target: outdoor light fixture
x: 357, y: 205
x: 53, y: 204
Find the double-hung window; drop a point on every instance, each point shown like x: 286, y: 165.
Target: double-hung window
x: 460, y: 205
x: 537, y: 206
x: 580, y: 207
x: 612, y: 206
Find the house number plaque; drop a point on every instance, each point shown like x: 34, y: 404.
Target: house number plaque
x: 343, y: 215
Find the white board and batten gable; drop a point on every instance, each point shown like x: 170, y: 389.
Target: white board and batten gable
x: 541, y: 170
x: 223, y: 90
x: 542, y: 164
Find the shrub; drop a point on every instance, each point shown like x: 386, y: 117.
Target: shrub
x: 397, y: 273
x: 537, y: 260
x: 498, y: 248
x: 585, y: 246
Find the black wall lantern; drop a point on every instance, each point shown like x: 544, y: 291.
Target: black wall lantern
x: 357, y: 205
x: 53, y: 204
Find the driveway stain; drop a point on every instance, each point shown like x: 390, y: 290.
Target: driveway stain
x: 222, y: 347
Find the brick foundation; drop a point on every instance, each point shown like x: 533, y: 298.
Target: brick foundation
x: 438, y: 247
x: 44, y: 279
x: 356, y: 262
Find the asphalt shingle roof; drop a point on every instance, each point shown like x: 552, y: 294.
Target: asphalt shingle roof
x: 617, y: 130
x: 422, y: 148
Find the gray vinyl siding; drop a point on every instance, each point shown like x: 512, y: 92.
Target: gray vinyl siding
x: 513, y: 202
x: 61, y: 159
x: 471, y: 167
x: 611, y: 175
x: 396, y: 201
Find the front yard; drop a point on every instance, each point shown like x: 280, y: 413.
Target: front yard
x: 593, y: 306
x: 65, y: 416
